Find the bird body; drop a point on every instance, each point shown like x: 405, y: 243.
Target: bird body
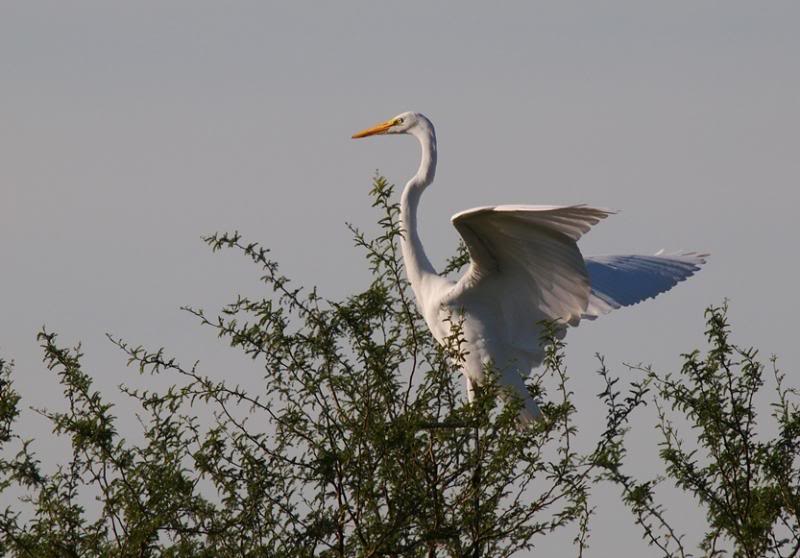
x: 525, y: 268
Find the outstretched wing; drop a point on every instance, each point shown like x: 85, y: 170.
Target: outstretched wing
x: 526, y: 265
x: 618, y: 281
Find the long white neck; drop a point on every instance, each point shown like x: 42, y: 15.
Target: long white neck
x: 418, y: 266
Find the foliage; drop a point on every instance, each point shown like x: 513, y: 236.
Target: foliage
x: 359, y: 444
x: 747, y: 482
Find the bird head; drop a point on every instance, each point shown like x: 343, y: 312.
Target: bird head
x: 405, y: 123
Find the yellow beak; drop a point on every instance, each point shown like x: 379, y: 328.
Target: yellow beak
x: 377, y: 129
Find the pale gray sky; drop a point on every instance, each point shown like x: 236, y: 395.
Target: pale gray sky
x: 127, y: 131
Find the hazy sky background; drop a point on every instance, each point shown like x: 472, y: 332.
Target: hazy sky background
x: 127, y: 131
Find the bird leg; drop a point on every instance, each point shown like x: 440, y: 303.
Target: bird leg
x: 471, y: 389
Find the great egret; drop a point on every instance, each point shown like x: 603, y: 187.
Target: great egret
x: 525, y: 267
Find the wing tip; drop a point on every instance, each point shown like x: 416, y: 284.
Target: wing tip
x: 606, y: 210
x: 695, y: 257
x: 691, y: 261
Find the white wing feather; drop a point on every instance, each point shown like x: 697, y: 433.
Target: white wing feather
x: 625, y: 280
x: 525, y: 267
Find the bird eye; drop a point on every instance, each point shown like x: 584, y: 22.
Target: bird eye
x: 398, y: 121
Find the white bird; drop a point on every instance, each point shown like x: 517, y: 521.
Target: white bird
x: 525, y: 267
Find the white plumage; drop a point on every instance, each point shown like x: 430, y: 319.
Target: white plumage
x: 525, y: 267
